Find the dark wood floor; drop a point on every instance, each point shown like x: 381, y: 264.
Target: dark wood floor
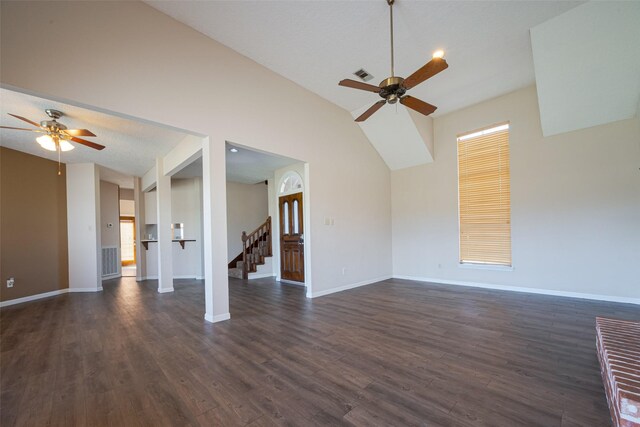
x: 394, y: 353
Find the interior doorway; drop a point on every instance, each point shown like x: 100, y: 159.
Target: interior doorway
x: 128, y: 245
x: 291, y: 237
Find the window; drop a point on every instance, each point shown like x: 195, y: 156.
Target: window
x: 286, y: 217
x: 296, y: 220
x: 485, y: 196
x: 291, y: 183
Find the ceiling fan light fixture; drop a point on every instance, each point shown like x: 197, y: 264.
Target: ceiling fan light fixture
x: 66, y: 146
x: 439, y: 54
x: 47, y: 142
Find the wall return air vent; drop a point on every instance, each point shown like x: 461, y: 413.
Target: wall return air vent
x: 364, y: 75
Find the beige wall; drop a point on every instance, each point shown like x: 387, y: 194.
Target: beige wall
x: 33, y: 225
x: 109, y: 214
x: 210, y: 90
x: 247, y: 208
x: 186, y: 197
x: 126, y: 194
x: 575, y: 204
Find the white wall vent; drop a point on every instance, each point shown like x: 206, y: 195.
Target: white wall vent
x: 364, y: 75
x: 110, y: 260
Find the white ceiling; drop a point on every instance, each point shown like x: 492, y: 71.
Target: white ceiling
x: 592, y: 76
x: 120, y: 179
x: 131, y: 146
x: 246, y: 166
x: 318, y: 43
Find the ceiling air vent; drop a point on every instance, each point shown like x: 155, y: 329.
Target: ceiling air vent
x: 364, y: 75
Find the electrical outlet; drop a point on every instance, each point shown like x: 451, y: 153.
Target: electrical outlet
x: 344, y: 270
x: 10, y: 282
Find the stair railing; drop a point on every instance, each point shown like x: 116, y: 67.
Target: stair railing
x: 253, y: 240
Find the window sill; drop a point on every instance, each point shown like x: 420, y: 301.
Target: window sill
x: 485, y: 267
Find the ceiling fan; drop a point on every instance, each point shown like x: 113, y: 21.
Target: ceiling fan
x: 394, y: 88
x: 56, y: 136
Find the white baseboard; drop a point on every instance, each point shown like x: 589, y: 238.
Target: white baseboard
x: 259, y: 275
x: 111, y: 276
x: 291, y: 282
x: 346, y: 287
x: 33, y: 297
x: 217, y: 318
x: 165, y: 290
x: 175, y: 277
x: 551, y: 292
x: 98, y: 289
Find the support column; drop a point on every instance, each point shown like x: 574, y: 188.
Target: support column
x: 214, y: 200
x: 165, y: 251
x: 83, y: 231
x: 138, y: 202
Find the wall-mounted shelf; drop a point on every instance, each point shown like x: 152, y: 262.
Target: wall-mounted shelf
x: 145, y: 243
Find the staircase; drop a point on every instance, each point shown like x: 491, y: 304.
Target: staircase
x: 255, y: 260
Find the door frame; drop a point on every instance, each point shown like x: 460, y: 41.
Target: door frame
x: 135, y: 249
x: 298, y: 196
x: 302, y: 170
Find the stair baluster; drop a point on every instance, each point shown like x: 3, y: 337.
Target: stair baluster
x: 255, y: 240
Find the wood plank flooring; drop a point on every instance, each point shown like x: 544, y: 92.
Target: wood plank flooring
x: 394, y: 353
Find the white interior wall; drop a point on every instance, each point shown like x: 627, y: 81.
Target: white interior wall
x: 186, y: 195
x: 83, y: 227
x: 349, y: 179
x: 575, y: 205
x: 151, y: 217
x: 247, y: 208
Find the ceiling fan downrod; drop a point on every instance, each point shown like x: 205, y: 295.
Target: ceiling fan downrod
x: 390, y: 2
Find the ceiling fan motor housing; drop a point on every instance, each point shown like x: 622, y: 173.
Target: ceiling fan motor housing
x: 391, y: 89
x: 53, y: 125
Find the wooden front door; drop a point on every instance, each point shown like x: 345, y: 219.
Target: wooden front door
x: 291, y: 238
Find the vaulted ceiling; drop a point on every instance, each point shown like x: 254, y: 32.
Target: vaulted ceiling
x: 318, y: 43
x: 587, y: 58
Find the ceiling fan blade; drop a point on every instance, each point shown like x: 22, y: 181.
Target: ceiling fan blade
x: 25, y: 120
x: 85, y: 142
x: 427, y: 71
x: 28, y: 130
x: 375, y: 107
x: 418, y: 105
x: 79, y: 132
x: 359, y: 85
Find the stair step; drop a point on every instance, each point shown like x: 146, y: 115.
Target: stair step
x: 235, y: 272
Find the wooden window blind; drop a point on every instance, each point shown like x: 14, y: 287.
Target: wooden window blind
x: 485, y: 196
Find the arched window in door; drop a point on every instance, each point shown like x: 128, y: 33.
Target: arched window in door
x: 291, y: 183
